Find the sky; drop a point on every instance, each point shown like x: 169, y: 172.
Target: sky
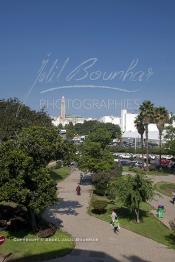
x: 101, y: 55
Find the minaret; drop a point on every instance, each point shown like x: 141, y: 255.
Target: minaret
x: 63, y: 113
x: 123, y: 120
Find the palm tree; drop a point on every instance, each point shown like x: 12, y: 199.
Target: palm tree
x: 147, y: 113
x: 161, y: 117
x: 140, y: 128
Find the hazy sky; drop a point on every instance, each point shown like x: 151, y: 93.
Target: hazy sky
x: 100, y: 54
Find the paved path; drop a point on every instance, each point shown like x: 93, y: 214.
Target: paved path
x: 165, y: 200
x: 125, y: 246
x: 162, y: 199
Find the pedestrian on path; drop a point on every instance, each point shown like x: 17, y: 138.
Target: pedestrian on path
x: 113, y: 216
x: 116, y: 225
x: 81, y: 178
x: 78, y: 189
x: 173, y: 197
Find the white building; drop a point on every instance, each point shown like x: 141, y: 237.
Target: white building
x: 110, y: 119
x: 65, y: 119
x: 125, y: 121
x: 128, y: 126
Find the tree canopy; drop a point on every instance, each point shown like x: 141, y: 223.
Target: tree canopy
x: 22, y: 182
x: 90, y: 126
x: 133, y: 190
x: 24, y: 177
x: 14, y: 116
x: 94, y: 158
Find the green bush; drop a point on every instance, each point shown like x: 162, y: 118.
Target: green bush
x: 100, y: 181
x: 116, y: 171
x: 136, y: 170
x: 99, y: 206
x: 59, y: 164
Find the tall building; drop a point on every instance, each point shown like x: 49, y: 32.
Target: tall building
x: 128, y: 126
x: 63, y: 109
x: 65, y: 119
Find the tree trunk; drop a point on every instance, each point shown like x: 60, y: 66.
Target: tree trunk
x: 33, y: 221
x: 147, y: 149
x: 160, y: 146
x: 142, y: 148
x: 137, y: 215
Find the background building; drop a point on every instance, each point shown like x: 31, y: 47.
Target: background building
x: 128, y: 126
x: 65, y: 119
x: 125, y: 121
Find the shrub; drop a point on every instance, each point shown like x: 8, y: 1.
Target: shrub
x: 59, y: 164
x: 3, y: 223
x: 152, y: 168
x: 116, y: 171
x: 99, y: 206
x: 17, y: 224
x: 100, y: 181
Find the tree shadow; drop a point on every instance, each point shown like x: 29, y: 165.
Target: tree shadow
x: 135, y: 259
x: 125, y: 213
x: 67, y: 207
x: 63, y: 207
x: 171, y: 239
x: 15, y: 219
x: 86, y: 180
x: 55, y: 176
x: 77, y: 255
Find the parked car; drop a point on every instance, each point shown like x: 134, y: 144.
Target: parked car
x: 125, y: 162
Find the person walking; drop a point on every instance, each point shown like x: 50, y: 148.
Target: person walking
x: 173, y: 197
x: 78, y: 189
x: 81, y: 178
x: 116, y: 225
x: 113, y: 216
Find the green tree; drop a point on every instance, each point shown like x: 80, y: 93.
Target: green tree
x: 14, y: 116
x: 134, y: 190
x: 100, y: 135
x: 42, y: 144
x: 104, y: 181
x: 170, y: 139
x: 114, y: 130
x: 169, y: 134
x: 147, y: 114
x: 68, y: 152
x: 161, y: 117
x: 140, y: 128
x: 90, y: 126
x: 94, y: 158
x: 24, y: 184
x: 70, y: 131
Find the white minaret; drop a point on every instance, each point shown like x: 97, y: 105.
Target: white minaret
x: 123, y: 119
x: 63, y: 108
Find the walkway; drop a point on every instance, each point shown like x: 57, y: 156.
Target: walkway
x: 125, y: 246
x: 165, y: 200
x: 162, y: 199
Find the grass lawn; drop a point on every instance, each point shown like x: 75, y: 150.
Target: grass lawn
x: 60, y: 173
x: 165, y: 188
x: 149, y: 173
x: 149, y: 226
x: 24, y: 249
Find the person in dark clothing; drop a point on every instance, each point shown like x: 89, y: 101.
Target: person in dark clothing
x: 78, y: 189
